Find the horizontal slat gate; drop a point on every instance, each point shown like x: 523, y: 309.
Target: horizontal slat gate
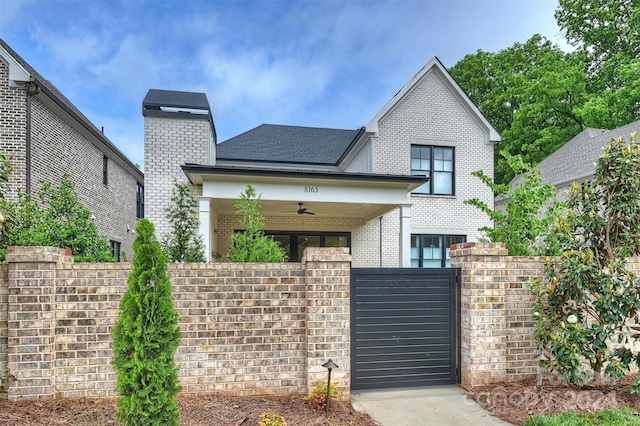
x: 404, y: 327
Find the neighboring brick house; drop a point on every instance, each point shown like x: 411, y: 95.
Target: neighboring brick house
x: 47, y: 136
x: 393, y: 191
x: 574, y: 161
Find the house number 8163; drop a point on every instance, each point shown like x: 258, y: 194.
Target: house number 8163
x: 311, y: 188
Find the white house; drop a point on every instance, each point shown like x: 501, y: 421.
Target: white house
x: 393, y: 191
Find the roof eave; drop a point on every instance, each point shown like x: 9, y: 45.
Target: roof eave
x: 435, y: 64
x: 196, y: 173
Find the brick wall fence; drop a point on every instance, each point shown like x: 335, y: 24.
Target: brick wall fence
x: 246, y: 328
x: 497, y: 327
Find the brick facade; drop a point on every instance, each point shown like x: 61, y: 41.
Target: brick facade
x: 430, y: 114
x: 13, y: 136
x: 497, y: 328
x: 63, y: 141
x: 170, y: 143
x: 246, y: 328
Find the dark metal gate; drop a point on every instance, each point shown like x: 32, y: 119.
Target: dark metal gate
x: 405, y: 327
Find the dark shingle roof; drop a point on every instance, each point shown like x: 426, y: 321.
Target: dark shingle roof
x: 288, y: 144
x: 575, y: 159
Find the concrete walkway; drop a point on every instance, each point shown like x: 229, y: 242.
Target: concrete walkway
x: 438, y: 405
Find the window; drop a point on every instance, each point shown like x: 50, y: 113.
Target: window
x: 432, y: 251
x: 294, y: 243
x: 436, y: 163
x: 139, y: 201
x: 105, y: 170
x: 115, y: 249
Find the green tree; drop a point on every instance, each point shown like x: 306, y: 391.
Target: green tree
x: 57, y: 219
x: 530, y: 92
x: 251, y: 244
x: 590, y: 297
x: 146, y: 336
x: 525, y: 223
x: 604, y: 29
x: 184, y: 242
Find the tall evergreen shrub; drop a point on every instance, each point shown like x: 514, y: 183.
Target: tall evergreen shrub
x: 251, y: 244
x: 146, y: 336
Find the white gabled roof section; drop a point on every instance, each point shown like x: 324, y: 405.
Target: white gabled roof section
x: 435, y: 65
x: 17, y: 74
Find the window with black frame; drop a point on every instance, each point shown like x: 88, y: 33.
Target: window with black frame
x: 437, y: 163
x: 139, y: 201
x: 294, y: 243
x: 432, y: 251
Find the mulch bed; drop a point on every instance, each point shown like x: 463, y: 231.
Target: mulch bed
x: 201, y: 410
x: 514, y: 402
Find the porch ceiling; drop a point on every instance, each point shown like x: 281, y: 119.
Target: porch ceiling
x: 271, y: 208
x: 327, y: 194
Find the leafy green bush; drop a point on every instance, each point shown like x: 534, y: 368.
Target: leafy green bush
x: 272, y: 419
x: 184, y: 242
x: 525, y: 224
x: 586, y: 308
x: 317, y: 398
x: 146, y: 336
x: 251, y: 245
x: 57, y: 219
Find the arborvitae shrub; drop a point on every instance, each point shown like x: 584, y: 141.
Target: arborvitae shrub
x: 146, y: 336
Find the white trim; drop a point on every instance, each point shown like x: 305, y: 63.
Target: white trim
x: 435, y: 65
x: 17, y: 74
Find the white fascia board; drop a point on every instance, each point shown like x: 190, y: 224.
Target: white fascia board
x: 435, y: 65
x: 17, y: 74
x: 298, y: 191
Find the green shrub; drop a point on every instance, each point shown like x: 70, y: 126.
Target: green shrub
x: 184, y: 242
x: 586, y: 310
x: 526, y: 222
x: 57, y: 219
x: 146, y: 336
x: 317, y: 398
x: 251, y: 245
x: 272, y: 419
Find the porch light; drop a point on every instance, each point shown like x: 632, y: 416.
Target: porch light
x: 329, y: 365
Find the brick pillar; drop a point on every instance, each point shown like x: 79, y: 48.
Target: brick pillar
x: 31, y: 319
x: 328, y: 314
x: 483, y: 311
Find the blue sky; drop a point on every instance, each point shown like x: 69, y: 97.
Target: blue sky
x: 309, y: 63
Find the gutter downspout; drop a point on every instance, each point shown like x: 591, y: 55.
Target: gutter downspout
x: 32, y: 89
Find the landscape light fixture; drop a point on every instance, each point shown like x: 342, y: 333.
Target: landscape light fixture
x: 541, y: 357
x: 329, y: 365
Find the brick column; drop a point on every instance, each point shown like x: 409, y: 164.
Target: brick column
x: 328, y: 314
x: 31, y: 318
x: 483, y: 311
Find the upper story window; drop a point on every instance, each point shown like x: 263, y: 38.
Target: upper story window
x: 105, y: 170
x: 139, y: 201
x: 437, y: 163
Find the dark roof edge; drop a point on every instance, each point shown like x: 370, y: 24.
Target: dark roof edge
x: 205, y: 169
x: 245, y: 161
x: 353, y: 143
x: 84, y: 121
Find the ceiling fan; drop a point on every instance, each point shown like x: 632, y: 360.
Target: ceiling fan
x: 301, y: 210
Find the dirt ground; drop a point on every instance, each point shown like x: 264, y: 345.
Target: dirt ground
x: 194, y: 411
x: 514, y: 402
